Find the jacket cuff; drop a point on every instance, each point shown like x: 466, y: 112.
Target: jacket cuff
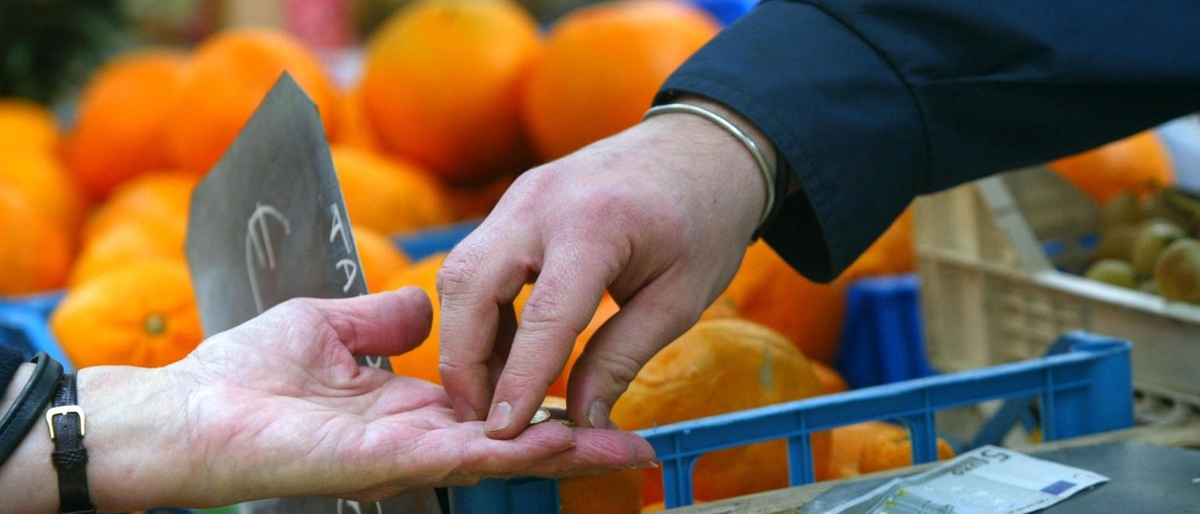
x: 835, y: 109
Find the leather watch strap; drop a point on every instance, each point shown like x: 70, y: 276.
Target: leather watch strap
x: 30, y: 404
x: 68, y: 426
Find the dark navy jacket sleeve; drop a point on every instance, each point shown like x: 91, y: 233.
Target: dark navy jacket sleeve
x: 10, y: 360
x: 872, y: 102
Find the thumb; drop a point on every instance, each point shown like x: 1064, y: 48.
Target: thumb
x: 387, y: 323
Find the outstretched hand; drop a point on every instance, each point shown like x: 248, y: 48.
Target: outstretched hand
x: 278, y: 406
x: 659, y: 215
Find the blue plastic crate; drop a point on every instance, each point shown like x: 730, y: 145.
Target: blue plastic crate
x: 1085, y: 390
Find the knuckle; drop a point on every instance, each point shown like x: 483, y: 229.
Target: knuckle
x: 459, y: 270
x: 620, y: 368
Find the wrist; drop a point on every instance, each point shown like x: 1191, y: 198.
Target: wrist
x: 751, y: 151
x: 135, y: 439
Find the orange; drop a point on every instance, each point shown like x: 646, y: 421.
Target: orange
x: 767, y: 290
x: 141, y: 314
x: 721, y: 366
x: 25, y: 126
x: 723, y: 307
x: 388, y: 195
x: 442, y: 86
x: 603, y: 64
x: 831, y: 380
x: 45, y: 182
x: 352, y: 128
x: 380, y: 258
x: 1140, y: 162
x: 869, y: 447
x: 119, y: 244
x: 889, y: 450
x: 847, y: 445
x: 124, y: 117
x: 35, y: 252
x: 159, y: 200
x: 893, y: 253
x: 230, y: 75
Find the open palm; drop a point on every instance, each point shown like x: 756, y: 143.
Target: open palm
x: 278, y: 406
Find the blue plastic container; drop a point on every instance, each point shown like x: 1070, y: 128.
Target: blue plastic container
x: 882, y: 340
x: 1085, y: 390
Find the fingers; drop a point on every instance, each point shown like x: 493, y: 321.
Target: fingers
x: 563, y: 300
x: 472, y: 286
x: 612, y: 358
x: 554, y: 450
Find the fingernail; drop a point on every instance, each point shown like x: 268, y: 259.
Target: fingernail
x: 598, y: 415
x: 645, y: 465
x: 499, y: 417
x: 463, y: 410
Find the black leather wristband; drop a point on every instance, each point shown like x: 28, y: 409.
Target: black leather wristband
x: 30, y: 404
x: 68, y: 426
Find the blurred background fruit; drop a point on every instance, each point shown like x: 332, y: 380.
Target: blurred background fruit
x: 35, y: 251
x: 26, y: 125
x: 379, y: 257
x: 442, y: 84
x: 601, y: 67
x: 142, y: 313
x: 123, y: 119
x: 388, y: 195
x: 228, y: 77
x: 768, y: 291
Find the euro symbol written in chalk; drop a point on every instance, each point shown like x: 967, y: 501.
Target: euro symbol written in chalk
x: 259, y: 251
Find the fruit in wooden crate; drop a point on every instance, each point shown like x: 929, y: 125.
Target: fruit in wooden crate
x: 1113, y: 271
x: 1116, y: 242
x: 1152, y: 237
x: 1177, y: 271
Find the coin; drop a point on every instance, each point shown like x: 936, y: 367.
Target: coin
x: 541, y: 415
